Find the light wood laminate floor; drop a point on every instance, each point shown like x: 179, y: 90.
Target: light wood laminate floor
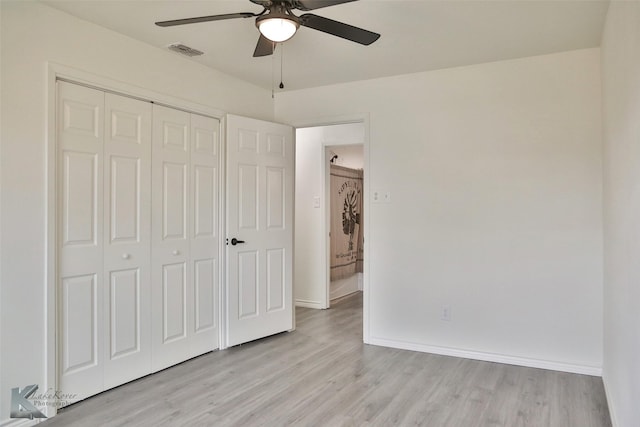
x: 322, y: 375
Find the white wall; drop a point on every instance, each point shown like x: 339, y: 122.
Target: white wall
x: 349, y: 156
x: 310, y: 270
x: 621, y: 96
x: 495, y: 175
x: 33, y: 34
x: 343, y: 287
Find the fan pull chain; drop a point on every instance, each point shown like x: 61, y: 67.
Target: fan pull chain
x: 273, y: 77
x: 281, y: 61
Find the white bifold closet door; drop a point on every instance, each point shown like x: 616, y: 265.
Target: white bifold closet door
x: 80, y: 124
x: 104, y: 299
x: 127, y: 239
x: 120, y: 170
x: 185, y: 235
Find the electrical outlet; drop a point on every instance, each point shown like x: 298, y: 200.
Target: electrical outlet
x: 446, y: 313
x: 376, y: 196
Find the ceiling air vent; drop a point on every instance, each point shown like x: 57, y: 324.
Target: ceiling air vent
x: 184, y: 50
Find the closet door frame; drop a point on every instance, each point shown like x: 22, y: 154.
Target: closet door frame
x: 61, y: 72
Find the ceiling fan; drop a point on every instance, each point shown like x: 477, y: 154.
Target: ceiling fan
x: 277, y: 23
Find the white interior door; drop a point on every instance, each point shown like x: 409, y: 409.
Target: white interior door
x: 104, y: 221
x: 205, y: 236
x: 185, y: 235
x: 127, y: 239
x: 134, y: 180
x: 260, y: 178
x: 80, y: 123
x: 171, y: 272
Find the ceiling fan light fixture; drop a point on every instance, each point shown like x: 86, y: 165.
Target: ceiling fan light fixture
x: 277, y: 27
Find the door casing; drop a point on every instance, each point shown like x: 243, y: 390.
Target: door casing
x: 339, y: 120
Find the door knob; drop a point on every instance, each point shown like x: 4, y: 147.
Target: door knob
x: 126, y: 256
x: 176, y: 252
x: 235, y: 241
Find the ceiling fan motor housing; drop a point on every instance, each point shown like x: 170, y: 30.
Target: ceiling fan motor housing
x: 278, y: 25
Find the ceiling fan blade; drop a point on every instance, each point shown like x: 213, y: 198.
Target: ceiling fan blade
x: 339, y: 29
x: 317, y: 4
x: 205, y: 19
x: 265, y: 47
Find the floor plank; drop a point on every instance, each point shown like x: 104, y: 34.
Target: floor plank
x: 322, y: 375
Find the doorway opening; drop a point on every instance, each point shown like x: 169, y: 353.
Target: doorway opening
x: 345, y: 189
x: 318, y: 149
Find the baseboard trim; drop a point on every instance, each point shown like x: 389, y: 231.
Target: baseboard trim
x: 491, y: 357
x: 343, y: 287
x: 341, y: 296
x: 612, y: 412
x: 309, y: 304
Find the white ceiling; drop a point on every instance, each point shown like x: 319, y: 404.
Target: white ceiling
x: 416, y: 35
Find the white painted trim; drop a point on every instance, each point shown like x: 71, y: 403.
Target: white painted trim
x: 309, y: 304
x: 222, y: 232
x: 612, y: 412
x: 366, y: 275
x: 326, y: 223
x: 104, y: 83
x: 55, y: 71
x: 331, y: 120
x: 293, y: 244
x: 343, y: 287
x: 343, y: 294
x: 491, y: 357
x: 1, y: 285
x: 51, y: 261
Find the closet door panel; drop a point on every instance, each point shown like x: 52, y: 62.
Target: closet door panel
x: 124, y: 302
x: 204, y: 239
x: 174, y: 201
x: 172, y: 293
x: 79, y: 323
x: 81, y: 173
x: 205, y: 284
x: 80, y: 131
x: 127, y: 239
x: 174, y: 310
